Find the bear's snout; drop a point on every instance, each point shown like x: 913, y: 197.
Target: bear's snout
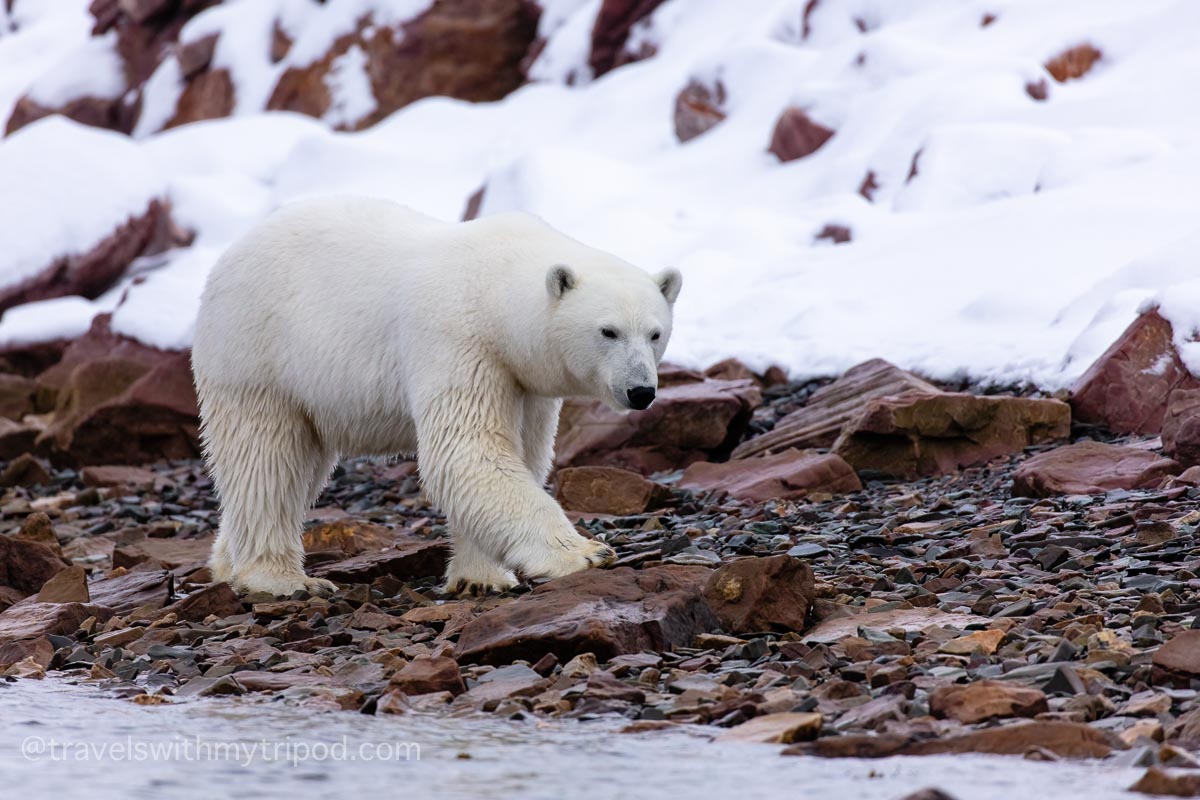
x: 640, y: 397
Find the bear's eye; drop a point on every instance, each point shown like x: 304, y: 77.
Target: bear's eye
x: 654, y: 337
x: 608, y: 333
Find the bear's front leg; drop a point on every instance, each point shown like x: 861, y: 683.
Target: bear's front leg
x: 473, y: 466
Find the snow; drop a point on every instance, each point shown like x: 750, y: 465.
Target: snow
x: 1030, y: 236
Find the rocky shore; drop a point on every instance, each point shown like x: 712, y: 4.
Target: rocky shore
x: 863, y: 567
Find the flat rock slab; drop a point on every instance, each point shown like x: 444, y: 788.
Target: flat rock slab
x: 133, y: 590
x: 820, y: 421
x: 1180, y: 655
x: 1091, y: 468
x: 410, y: 557
x: 1126, y: 390
x: 781, y: 728
x: 604, y: 612
x: 789, y: 475
x: 1064, y: 739
x: 984, y: 700
x: 25, y: 565
x: 906, y: 619
x: 934, y: 433
x: 605, y: 490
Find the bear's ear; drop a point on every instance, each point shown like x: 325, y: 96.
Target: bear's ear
x: 669, y: 283
x: 559, y: 280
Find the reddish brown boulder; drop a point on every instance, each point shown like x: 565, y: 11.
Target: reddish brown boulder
x: 17, y: 439
x: 16, y: 396
x: 932, y: 433
x: 610, y: 32
x: 1064, y: 739
x: 133, y: 590
x: 426, y: 674
x: 24, y: 626
x: 603, y: 612
x: 1091, y: 468
x: 1166, y: 783
x: 1126, y: 390
x: 1179, y: 657
x: 68, y: 586
x: 1181, y: 427
x: 217, y: 600
x: 469, y: 50
x: 409, y: 557
x: 762, y: 594
x: 605, y: 490
x: 108, y: 476
x: 207, y: 95
x: 698, y: 109
x: 26, y: 565
x: 169, y: 552
x: 820, y: 421
x: 691, y: 420
x: 984, y: 700
x: 788, y: 475
x: 118, y: 401
x: 349, y: 537
x: 25, y: 470
x: 796, y: 135
x: 1073, y: 63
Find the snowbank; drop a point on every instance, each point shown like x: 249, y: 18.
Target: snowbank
x: 1008, y: 238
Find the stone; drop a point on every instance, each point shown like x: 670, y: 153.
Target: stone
x: 797, y: 135
x: 984, y: 700
x: 514, y: 680
x: 762, y: 594
x: 931, y: 433
x: 109, y: 476
x: 1126, y: 390
x: 690, y: 421
x: 788, y: 475
x: 610, y: 32
x: 24, y: 470
x: 1181, y: 427
x: 68, y: 586
x: 905, y: 619
x: 1063, y: 739
x: 207, y: 94
x: 1091, y: 468
x: 170, y: 552
x: 16, y: 396
x: 1180, y: 654
x: 1169, y: 783
x: 409, y: 557
x: 929, y: 794
x: 470, y: 51
x: 820, y: 420
x: 26, y: 565
x: 605, y: 490
x: 604, y: 612
x: 854, y: 745
x: 426, y: 673
x: 348, y: 537
x: 1073, y: 63
x: 37, y: 527
x: 17, y: 438
x: 216, y: 600
x: 977, y: 643
x: 782, y: 728
x: 134, y: 590
x: 30, y: 619
x: 698, y: 109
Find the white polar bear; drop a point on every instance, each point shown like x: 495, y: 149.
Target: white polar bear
x: 349, y: 326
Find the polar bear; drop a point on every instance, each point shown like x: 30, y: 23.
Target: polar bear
x: 351, y: 326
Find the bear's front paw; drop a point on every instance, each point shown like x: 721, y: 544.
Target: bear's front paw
x: 283, y: 584
x: 567, y: 557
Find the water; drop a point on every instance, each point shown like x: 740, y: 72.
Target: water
x: 64, y: 741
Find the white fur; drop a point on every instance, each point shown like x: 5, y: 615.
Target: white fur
x: 348, y: 326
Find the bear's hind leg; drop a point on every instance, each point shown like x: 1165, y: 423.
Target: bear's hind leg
x: 265, y: 459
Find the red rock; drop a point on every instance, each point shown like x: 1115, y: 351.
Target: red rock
x: 688, y: 422
x: 788, y: 475
x: 1091, y: 468
x: 863, y: 745
x: 984, y: 700
x: 30, y: 619
x: 796, y: 135
x: 169, y: 552
x: 469, y: 50
x: 217, y: 600
x: 1073, y: 63
x: 122, y: 476
x: 207, y: 95
x: 1126, y: 390
x: 781, y: 728
x: 196, y: 55
x: 410, y: 557
x: 1064, y: 739
x: 26, y: 565
x: 425, y: 674
x: 603, y: 612
x: 474, y: 204
x: 605, y: 490
x: 731, y: 370
x: 99, y: 112
x: 819, y: 422
x: 1163, y: 783
x: 117, y: 400
x: 833, y: 629
x: 762, y: 594
x: 68, y: 586
x: 698, y: 109
x: 37, y: 528
x: 611, y: 30
x: 1181, y: 427
x: 25, y: 470
x: 39, y: 649
x: 348, y: 536
x: 931, y: 433
x: 1180, y: 655
x: 133, y: 590
x: 16, y: 396
x: 17, y: 439
x: 838, y: 234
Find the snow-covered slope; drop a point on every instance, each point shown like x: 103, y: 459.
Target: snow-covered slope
x: 1008, y: 238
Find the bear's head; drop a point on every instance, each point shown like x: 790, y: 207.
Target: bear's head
x: 612, y: 324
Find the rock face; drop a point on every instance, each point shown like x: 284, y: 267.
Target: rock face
x: 604, y: 612
x: 1091, y: 468
x: 698, y: 109
x: 690, y: 421
x: 984, y: 700
x: 789, y: 475
x: 117, y: 401
x: 605, y: 490
x: 1126, y: 390
x: 1181, y: 427
x: 469, y: 50
x: 796, y: 135
x: 819, y: 422
x: 762, y: 594
x: 92, y: 273
x: 610, y: 32
x: 931, y: 433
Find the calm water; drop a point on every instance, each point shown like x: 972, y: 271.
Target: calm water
x: 62, y: 741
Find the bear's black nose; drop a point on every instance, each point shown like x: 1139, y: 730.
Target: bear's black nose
x: 641, y: 397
